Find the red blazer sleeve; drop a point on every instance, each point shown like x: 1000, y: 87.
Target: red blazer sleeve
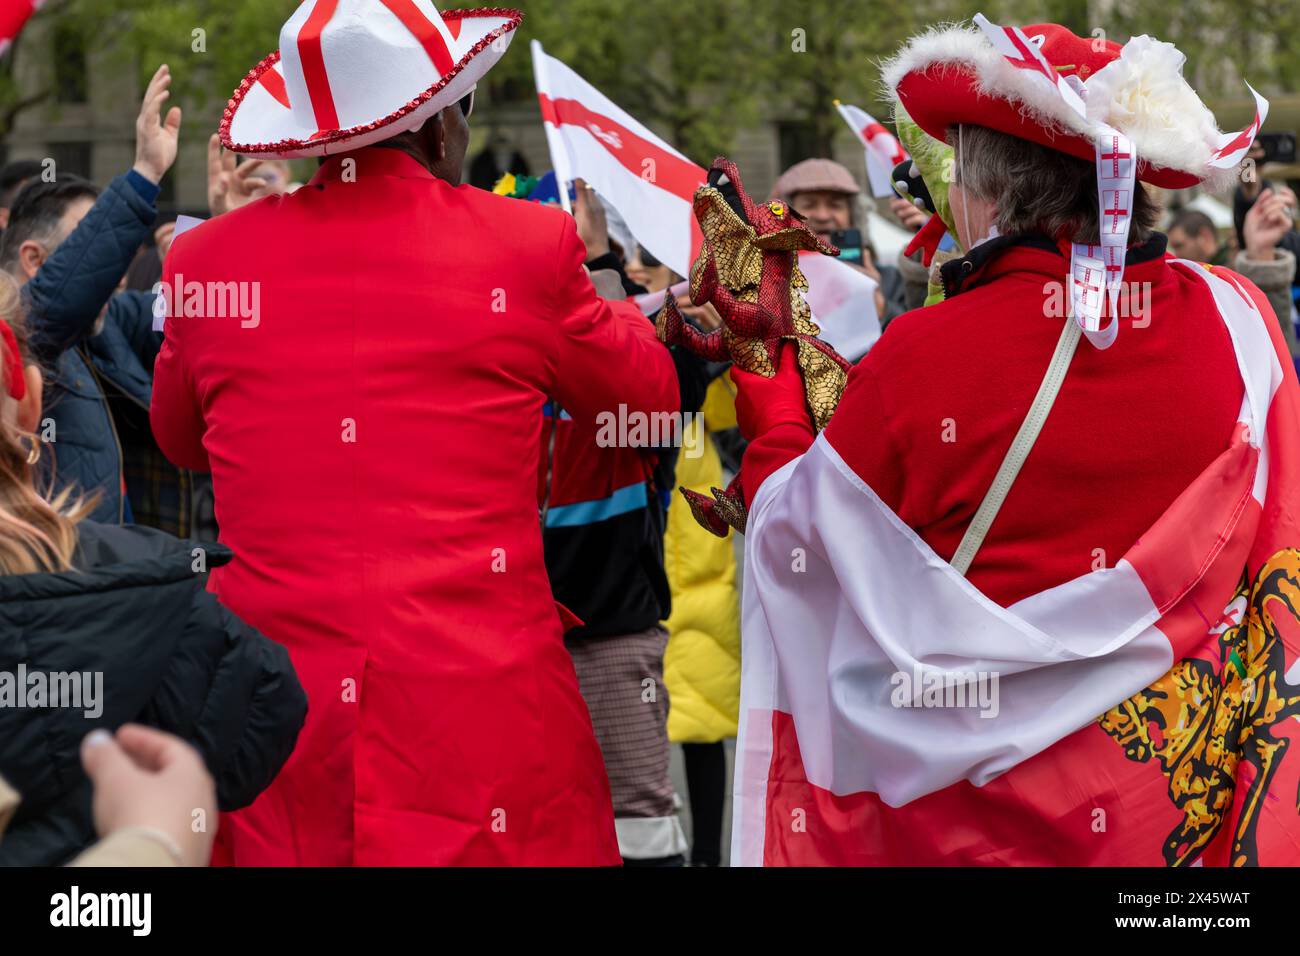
x: 175, y: 412
x: 606, y: 353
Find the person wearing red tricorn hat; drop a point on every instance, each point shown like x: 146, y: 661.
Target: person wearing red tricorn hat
x: 1031, y: 596
x: 367, y: 435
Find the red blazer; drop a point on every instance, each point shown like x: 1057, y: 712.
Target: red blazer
x: 371, y: 433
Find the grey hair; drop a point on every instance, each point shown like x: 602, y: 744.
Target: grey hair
x: 1039, y: 190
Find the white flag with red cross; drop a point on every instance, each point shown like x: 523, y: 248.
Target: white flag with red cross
x: 883, y: 149
x: 653, y: 186
x: 649, y: 182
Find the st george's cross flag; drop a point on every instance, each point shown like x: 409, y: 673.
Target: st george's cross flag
x: 883, y: 150
x: 649, y: 182
x: 652, y: 186
x: 14, y: 15
x: 893, y: 714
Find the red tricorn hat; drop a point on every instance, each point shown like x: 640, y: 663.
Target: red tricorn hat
x: 1011, y: 80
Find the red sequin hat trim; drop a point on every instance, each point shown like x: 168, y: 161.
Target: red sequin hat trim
x: 317, y: 144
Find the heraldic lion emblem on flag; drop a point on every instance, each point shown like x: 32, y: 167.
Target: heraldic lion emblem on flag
x: 1199, y: 724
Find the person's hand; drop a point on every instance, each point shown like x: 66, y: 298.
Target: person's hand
x: 157, y: 139
x: 911, y: 216
x: 589, y: 213
x: 608, y: 284
x: 148, y: 779
x: 704, y: 317
x: 231, y: 185
x: 162, y: 238
x: 869, y: 265
x: 1267, y: 221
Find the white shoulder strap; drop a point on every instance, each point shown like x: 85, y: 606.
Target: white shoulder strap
x: 1019, y: 451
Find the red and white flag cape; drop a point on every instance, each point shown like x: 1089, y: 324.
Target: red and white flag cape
x: 1139, y: 714
x: 883, y: 149
x: 14, y: 15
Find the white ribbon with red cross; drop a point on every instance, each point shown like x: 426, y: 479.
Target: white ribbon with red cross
x: 1097, y: 271
x: 1116, y: 161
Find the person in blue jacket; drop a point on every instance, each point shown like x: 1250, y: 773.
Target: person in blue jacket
x: 70, y: 245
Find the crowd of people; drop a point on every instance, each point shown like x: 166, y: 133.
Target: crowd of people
x: 358, y: 575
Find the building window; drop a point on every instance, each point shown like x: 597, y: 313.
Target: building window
x: 70, y: 84
x: 71, y: 158
x: 797, y: 142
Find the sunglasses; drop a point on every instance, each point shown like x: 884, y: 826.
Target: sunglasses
x: 466, y: 104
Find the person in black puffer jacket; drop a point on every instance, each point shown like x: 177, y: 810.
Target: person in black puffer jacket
x: 125, y: 606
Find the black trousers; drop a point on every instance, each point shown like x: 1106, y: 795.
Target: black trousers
x: 706, y: 783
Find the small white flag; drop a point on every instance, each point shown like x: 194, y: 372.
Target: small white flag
x: 883, y: 149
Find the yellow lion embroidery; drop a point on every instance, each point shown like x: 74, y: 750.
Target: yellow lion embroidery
x: 1198, y: 724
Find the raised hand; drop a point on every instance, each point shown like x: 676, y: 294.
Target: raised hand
x: 909, y: 215
x: 589, y: 213
x: 156, y: 138
x: 231, y: 185
x: 1267, y: 221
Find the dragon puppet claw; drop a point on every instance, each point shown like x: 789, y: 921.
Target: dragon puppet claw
x: 724, y: 511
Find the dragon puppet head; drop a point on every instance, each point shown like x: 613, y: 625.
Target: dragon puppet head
x: 776, y: 227
x: 748, y: 270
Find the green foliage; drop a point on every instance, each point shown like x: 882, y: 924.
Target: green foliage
x: 664, y: 61
x: 1224, y: 42
x: 700, y: 70
x: 140, y: 34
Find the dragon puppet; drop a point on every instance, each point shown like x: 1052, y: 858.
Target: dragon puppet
x: 748, y: 269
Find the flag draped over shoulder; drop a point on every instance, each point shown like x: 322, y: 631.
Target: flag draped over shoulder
x: 1140, y: 714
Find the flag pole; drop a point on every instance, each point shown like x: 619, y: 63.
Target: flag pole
x: 554, y: 142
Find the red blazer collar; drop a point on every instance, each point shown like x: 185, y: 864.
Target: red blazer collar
x: 372, y: 161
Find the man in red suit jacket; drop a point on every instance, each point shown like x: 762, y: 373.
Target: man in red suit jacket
x: 370, y: 433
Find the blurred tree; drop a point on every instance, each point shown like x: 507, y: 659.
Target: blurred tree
x: 664, y: 61
x: 823, y: 50
x: 698, y: 71
x: 1224, y: 42
x: 15, y: 98
x: 209, y: 44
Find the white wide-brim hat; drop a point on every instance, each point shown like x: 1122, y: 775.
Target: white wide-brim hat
x: 353, y: 72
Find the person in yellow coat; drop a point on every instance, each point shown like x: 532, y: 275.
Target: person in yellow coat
x: 702, y: 662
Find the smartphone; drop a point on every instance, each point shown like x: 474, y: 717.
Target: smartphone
x: 1278, y: 147
x: 849, y: 242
